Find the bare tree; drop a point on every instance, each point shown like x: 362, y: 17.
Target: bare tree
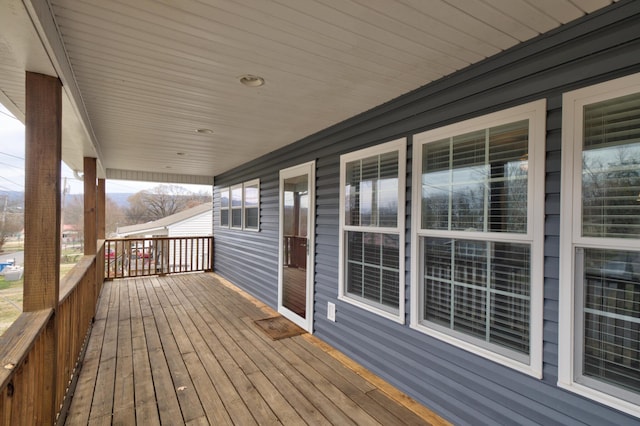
x: 161, y: 201
x: 114, y: 216
x: 11, y: 223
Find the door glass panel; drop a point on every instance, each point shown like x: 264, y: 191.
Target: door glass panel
x: 294, y: 239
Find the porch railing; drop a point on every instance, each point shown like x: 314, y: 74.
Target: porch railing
x: 134, y: 257
x: 26, y: 359
x: 29, y: 365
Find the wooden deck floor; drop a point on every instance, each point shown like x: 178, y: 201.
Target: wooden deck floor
x: 183, y: 349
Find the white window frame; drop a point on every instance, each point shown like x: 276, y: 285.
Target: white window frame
x: 535, y: 112
x: 245, y: 185
x: 399, y: 145
x: 241, y: 208
x: 228, y: 208
x: 571, y: 237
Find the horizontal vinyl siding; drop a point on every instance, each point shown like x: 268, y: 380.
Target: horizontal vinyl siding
x: 460, y: 386
x: 248, y: 258
x: 196, y: 226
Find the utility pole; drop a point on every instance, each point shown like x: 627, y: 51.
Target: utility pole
x: 65, y: 190
x: 4, y: 212
x: 3, y: 228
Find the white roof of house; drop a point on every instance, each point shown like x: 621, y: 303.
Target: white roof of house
x: 165, y: 222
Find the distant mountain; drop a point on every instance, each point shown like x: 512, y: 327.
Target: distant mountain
x: 17, y: 198
x: 14, y: 199
x: 14, y: 196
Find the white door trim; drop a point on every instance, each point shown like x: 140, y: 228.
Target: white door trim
x: 310, y: 170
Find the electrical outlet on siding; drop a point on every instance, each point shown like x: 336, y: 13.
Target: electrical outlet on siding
x: 331, y: 311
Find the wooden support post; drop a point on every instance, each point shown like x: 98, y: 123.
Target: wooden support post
x: 101, y: 215
x: 101, y: 209
x: 43, y: 159
x: 91, y: 219
x: 90, y: 203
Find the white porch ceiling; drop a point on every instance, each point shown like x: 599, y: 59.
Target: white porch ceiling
x: 149, y: 73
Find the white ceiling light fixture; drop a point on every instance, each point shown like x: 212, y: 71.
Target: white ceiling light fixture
x: 250, y: 80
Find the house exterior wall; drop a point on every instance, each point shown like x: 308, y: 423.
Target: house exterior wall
x: 199, y: 225
x: 196, y: 226
x: 462, y: 387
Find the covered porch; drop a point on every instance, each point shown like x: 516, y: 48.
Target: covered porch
x: 182, y: 92
x: 184, y: 349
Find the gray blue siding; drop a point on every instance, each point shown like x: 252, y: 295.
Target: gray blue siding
x: 460, y: 386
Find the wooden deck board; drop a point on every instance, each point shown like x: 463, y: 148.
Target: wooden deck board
x: 235, y: 363
x: 232, y: 400
x: 123, y: 397
x: 233, y: 323
x: 102, y: 404
x: 144, y: 392
x: 167, y: 402
x: 184, y: 350
x: 78, y: 413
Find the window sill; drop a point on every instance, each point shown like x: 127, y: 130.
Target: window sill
x: 601, y: 397
x: 528, y: 369
x: 399, y: 318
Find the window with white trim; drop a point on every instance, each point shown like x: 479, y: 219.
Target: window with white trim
x: 240, y: 206
x: 224, y: 207
x: 478, y: 232
x: 600, y: 250
x: 251, y: 205
x: 372, y: 185
x: 236, y: 206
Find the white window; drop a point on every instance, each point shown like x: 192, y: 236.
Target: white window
x: 240, y: 206
x: 251, y: 204
x: 224, y: 207
x: 599, y: 352
x: 372, y: 185
x: 478, y: 233
x: 236, y: 206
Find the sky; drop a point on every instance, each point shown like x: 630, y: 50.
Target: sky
x: 12, y: 164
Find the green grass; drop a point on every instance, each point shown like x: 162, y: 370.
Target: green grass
x: 10, y: 302
x: 9, y: 246
x: 11, y: 298
x: 6, y: 285
x: 71, y: 255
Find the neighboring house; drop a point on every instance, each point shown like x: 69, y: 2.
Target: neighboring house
x: 476, y: 242
x: 70, y: 234
x: 194, y: 221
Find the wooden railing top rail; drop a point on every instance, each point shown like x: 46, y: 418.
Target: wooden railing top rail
x: 17, y: 341
x: 135, y: 239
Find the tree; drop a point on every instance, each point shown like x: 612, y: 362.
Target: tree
x: 73, y: 215
x: 11, y: 222
x: 161, y: 201
x: 73, y: 212
x: 114, y: 216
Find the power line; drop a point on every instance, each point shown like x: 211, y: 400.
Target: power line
x: 11, y: 165
x: 11, y: 155
x: 17, y: 184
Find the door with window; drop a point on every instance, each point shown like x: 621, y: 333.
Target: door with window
x: 295, y: 277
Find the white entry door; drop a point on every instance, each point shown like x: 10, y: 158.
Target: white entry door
x: 297, y: 229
